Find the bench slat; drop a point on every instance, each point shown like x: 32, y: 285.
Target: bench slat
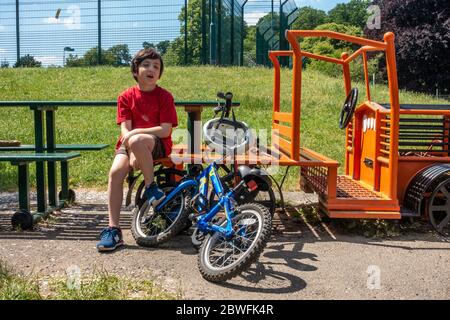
x: 28, y: 157
x: 59, y: 147
x: 283, y: 117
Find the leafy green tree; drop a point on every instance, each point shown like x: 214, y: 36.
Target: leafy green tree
x: 335, y: 48
x: 353, y: 13
x: 175, y: 54
x: 147, y: 45
x: 163, y: 46
x: 27, y: 61
x: 120, y: 54
x: 117, y: 56
x: 309, y: 18
x: 250, y: 46
x: 4, y: 64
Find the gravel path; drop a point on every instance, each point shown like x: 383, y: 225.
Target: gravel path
x: 304, y: 259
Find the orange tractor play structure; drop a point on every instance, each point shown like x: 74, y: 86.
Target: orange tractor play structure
x: 397, y: 157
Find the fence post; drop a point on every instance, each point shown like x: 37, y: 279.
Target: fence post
x: 99, y: 14
x: 219, y: 32
x: 232, y: 34
x: 212, y: 35
x: 242, y: 33
x: 185, y: 32
x: 204, y: 58
x: 283, y: 27
x: 17, y: 32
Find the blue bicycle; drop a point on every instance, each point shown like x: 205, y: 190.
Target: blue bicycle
x: 233, y: 236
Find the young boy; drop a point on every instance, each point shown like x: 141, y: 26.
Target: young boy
x: 146, y: 115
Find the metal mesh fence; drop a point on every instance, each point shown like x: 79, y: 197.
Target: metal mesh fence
x: 70, y: 32
x: 229, y: 31
x: 270, y: 32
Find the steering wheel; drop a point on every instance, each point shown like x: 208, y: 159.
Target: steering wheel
x: 348, y: 109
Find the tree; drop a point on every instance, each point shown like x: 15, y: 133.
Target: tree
x: 147, y: 45
x: 353, y: 13
x: 27, y: 61
x: 116, y: 56
x: 120, y: 55
x: 4, y: 64
x: 309, y: 18
x: 422, y: 42
x: 176, y: 52
x: 335, y: 48
x: 250, y: 46
x: 161, y: 46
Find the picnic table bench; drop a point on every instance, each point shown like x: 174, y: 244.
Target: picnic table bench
x: 23, y: 217
x: 45, y: 144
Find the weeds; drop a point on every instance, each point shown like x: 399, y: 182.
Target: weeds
x: 99, y: 286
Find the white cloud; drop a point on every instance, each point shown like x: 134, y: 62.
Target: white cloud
x: 2, y: 28
x: 50, y: 60
x: 2, y: 51
x: 252, y: 18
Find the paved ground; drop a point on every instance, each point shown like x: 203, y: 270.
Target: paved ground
x: 304, y: 259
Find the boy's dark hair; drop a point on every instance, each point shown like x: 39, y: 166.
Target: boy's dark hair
x: 141, y: 55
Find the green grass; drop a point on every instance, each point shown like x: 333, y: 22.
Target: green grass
x: 322, y: 99
x: 99, y: 286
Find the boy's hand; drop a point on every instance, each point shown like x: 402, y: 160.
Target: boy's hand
x: 125, y: 139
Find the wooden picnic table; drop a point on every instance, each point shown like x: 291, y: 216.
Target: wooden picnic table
x: 44, y: 121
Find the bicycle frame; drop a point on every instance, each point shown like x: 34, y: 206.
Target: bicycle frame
x: 200, y: 186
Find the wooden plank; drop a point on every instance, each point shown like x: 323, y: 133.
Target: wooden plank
x: 282, y: 144
x: 285, y: 131
x: 283, y: 117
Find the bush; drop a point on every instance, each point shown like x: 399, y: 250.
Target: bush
x: 422, y: 31
x: 27, y: 61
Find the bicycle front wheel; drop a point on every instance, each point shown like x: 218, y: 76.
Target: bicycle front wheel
x: 150, y: 228
x: 221, y: 259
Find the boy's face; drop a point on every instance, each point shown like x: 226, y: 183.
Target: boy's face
x: 148, y: 72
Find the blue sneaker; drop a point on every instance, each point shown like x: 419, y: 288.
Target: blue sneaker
x: 153, y: 194
x: 110, y: 239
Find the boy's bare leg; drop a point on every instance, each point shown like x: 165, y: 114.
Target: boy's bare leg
x: 142, y: 146
x: 117, y: 175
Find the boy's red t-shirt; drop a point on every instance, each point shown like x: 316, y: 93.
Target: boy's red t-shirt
x: 146, y: 110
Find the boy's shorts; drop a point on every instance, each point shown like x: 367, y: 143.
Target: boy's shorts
x: 157, y: 153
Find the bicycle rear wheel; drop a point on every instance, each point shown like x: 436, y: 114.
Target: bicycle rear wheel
x: 221, y: 259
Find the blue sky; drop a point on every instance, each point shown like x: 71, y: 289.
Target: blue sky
x: 325, y: 5
x: 255, y: 9
x: 123, y: 21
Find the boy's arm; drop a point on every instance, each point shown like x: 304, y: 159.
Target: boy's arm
x: 125, y: 130
x: 162, y: 131
x: 125, y: 127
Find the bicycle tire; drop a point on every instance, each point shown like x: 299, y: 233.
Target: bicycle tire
x: 162, y: 234
x: 251, y: 255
